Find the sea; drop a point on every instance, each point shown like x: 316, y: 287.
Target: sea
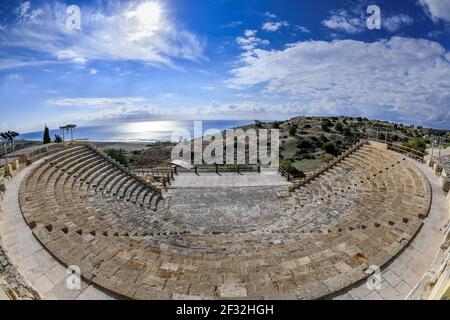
x: 137, y: 131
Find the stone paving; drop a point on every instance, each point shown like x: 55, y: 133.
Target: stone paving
x: 399, y: 278
x: 3, y: 295
x: 446, y: 163
x: 322, y: 238
x: 225, y: 179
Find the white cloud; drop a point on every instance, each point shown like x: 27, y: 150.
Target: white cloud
x: 435, y: 34
x: 124, y: 30
x: 274, y: 26
x: 407, y: 79
x: 232, y: 24
x: 18, y: 63
x: 437, y: 9
x: 213, y: 110
x: 94, y: 102
x: 92, y: 71
x: 26, y: 15
x: 394, y: 23
x: 250, y: 41
x: 302, y: 29
x: 270, y: 15
x: 250, y: 33
x: 13, y: 77
x: 343, y: 21
x: 351, y: 22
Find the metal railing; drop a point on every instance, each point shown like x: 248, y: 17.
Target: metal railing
x: 290, y: 176
x: 412, y: 153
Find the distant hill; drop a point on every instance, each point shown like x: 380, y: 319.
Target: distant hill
x: 309, y: 142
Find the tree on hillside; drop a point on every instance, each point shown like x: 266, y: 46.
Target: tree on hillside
x: 304, y: 144
x: 118, y: 155
x: 417, y: 144
x: 46, y: 139
x: 276, y: 124
x: 292, y: 130
x: 346, y: 131
x: 289, y: 167
x: 326, y: 125
x: 339, y: 127
x: 330, y: 148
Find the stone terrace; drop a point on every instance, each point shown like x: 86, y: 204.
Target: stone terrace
x: 258, y: 242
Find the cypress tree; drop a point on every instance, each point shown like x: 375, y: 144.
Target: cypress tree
x: 46, y: 135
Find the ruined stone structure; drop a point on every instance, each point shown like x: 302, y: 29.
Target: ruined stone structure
x: 135, y: 241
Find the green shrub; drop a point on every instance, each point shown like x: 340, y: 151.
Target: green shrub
x: 304, y: 144
x: 118, y: 155
x: 327, y: 158
x: 326, y: 125
x: 276, y: 124
x: 58, y: 138
x: 418, y: 144
x: 330, y: 148
x: 289, y: 167
x: 292, y: 130
x: 346, y: 131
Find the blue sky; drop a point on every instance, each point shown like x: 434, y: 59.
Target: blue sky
x: 222, y: 59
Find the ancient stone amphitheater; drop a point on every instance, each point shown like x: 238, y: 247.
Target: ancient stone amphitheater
x: 315, y: 239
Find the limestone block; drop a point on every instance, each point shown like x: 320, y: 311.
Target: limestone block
x: 15, y: 165
x: 448, y: 202
x: 9, y: 172
x: 24, y: 159
x: 445, y: 183
x: 232, y: 290
x: 437, y: 168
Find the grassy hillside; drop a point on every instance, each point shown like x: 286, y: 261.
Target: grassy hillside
x: 309, y: 142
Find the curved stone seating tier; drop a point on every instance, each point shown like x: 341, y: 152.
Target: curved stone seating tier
x: 258, y: 242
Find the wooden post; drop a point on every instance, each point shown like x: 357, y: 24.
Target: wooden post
x: 237, y: 169
x: 196, y: 171
x: 259, y: 169
x: 217, y: 169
